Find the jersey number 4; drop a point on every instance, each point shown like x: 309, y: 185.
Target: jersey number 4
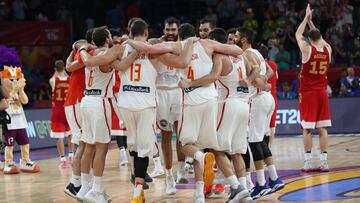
x: 135, y: 70
x: 190, y: 74
x: 322, y: 67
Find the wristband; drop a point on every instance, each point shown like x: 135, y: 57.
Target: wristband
x: 82, y: 49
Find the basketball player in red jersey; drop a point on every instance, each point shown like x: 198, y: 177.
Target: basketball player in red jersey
x: 72, y: 111
x: 60, y: 128
x: 313, y: 100
x: 269, y: 138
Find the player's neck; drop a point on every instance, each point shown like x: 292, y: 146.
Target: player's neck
x: 140, y: 38
x: 246, y: 46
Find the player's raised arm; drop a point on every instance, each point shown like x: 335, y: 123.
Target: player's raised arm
x: 227, y: 49
x: 107, y: 57
x: 183, y: 59
x: 303, y: 45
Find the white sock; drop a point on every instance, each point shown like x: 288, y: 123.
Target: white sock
x: 199, y: 188
x: 307, y: 156
x: 242, y: 181
x: 76, y: 180
x: 233, y: 181
x: 181, y: 170
x: 85, y: 179
x: 137, y: 190
x: 71, y: 154
x: 248, y: 177
x: 199, y: 156
x: 323, y: 156
x: 260, y: 174
x: 272, y: 172
x: 62, y: 158
x: 97, y: 186
x: 157, y: 163
x: 168, y: 172
x: 122, y: 150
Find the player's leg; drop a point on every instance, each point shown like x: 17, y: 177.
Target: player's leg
x: 167, y: 154
x: 158, y: 168
x: 10, y: 167
x: 71, y: 147
x: 275, y: 182
x: 61, y: 150
x: 247, y: 160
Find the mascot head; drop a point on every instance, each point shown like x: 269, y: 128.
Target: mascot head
x: 10, y: 64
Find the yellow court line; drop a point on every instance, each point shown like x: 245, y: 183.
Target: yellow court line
x: 319, y: 179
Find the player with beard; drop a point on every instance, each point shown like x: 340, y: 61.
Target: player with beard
x: 205, y: 27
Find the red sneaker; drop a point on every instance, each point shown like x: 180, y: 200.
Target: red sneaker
x: 219, y: 188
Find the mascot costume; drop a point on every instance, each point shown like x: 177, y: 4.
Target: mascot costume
x: 15, y: 131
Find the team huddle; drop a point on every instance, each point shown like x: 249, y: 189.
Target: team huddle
x: 212, y: 92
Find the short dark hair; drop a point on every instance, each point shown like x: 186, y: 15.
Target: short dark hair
x: 88, y: 35
x: 247, y: 33
x: 211, y: 22
x: 132, y: 20
x: 138, y: 28
x: 171, y: 20
x: 218, y: 34
x: 231, y: 31
x: 114, y: 32
x: 264, y: 50
x: 186, y: 30
x: 99, y: 36
x: 314, y: 34
x: 59, y: 65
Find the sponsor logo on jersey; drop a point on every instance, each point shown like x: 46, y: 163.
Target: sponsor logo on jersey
x: 130, y: 88
x: 92, y: 92
x: 242, y: 89
x: 187, y: 90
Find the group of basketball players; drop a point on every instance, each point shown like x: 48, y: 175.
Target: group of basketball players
x: 212, y: 92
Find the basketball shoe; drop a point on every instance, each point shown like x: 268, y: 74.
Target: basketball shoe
x: 2, y: 164
x: 170, y: 185
x: 139, y: 199
x: 29, y: 167
x: 238, y: 194
x: 260, y: 191
x: 181, y: 178
x: 11, y: 169
x: 276, y: 185
x: 95, y: 197
x: 123, y: 161
x: 324, y: 167
x: 71, y: 190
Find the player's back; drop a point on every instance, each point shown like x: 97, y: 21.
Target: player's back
x: 60, y: 91
x: 313, y: 75
x: 137, y: 90
x: 200, y: 65
x: 228, y: 86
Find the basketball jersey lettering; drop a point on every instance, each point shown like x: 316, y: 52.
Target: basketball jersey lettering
x: 322, y: 65
x: 91, y: 78
x: 135, y: 70
x: 190, y: 74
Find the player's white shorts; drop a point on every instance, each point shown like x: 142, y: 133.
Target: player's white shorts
x: 261, y: 108
x: 198, y: 125
x: 60, y: 134
x: 168, y: 108
x: 74, y: 119
x: 140, y: 125
x: 233, y: 118
x: 96, y: 125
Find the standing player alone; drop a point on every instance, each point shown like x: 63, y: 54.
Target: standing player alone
x: 313, y: 100
x: 59, y: 83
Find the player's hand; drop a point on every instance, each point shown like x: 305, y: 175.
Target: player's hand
x: 243, y: 83
x: 184, y: 84
x: 267, y: 87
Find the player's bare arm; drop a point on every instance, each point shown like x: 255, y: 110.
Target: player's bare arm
x: 72, y: 65
x: 209, y: 78
x: 227, y: 49
x: 183, y: 59
x: 269, y: 71
x: 107, y: 57
x: 256, y: 79
x: 312, y: 26
x: 147, y: 48
x: 126, y: 62
x: 303, y: 45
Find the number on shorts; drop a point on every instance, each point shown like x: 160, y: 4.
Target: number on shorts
x: 135, y: 70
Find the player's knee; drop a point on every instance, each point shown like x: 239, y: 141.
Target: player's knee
x: 140, y: 166
x: 257, y: 151
x: 266, y: 150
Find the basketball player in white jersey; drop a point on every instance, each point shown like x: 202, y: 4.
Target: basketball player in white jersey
x: 168, y: 109
x: 262, y: 107
x: 197, y: 128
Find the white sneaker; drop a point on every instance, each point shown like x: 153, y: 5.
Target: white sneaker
x: 11, y: 169
x: 170, y: 185
x: 157, y: 173
x: 181, y: 178
x: 29, y: 167
x: 249, y: 185
x: 82, y: 192
x: 189, y: 166
x: 95, y: 197
x: 308, y: 166
x: 324, y: 167
x: 123, y: 160
x: 199, y: 198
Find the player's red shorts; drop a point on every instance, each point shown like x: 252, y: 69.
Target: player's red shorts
x: 273, y: 117
x: 59, y: 125
x: 314, y: 109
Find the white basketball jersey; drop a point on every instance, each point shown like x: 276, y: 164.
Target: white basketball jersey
x: 16, y: 112
x: 253, y: 90
x: 167, y: 77
x: 137, y: 90
x: 98, y: 83
x: 200, y: 65
x: 228, y: 86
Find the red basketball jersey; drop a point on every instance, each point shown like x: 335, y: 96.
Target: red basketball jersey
x: 313, y: 72
x: 274, y: 78
x: 60, y: 92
